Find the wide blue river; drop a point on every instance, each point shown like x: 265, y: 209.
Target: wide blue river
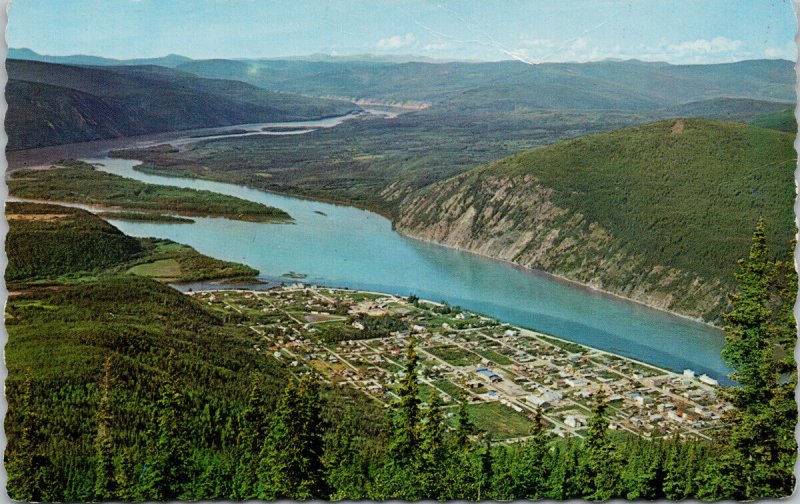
x: 349, y: 247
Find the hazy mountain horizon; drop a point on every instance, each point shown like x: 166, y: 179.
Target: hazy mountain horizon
x: 173, y: 59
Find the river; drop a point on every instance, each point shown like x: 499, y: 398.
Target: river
x: 342, y: 246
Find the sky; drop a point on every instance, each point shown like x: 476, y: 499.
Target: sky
x: 533, y: 31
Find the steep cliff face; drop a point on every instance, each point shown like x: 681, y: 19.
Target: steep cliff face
x: 515, y: 220
x: 618, y: 233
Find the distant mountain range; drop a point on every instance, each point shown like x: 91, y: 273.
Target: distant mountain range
x: 609, y: 84
x: 169, y: 61
x: 51, y: 104
x: 626, y: 85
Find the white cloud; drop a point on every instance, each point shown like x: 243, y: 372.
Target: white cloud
x: 543, y: 50
x: 437, y: 46
x: 704, y: 46
x: 579, y: 43
x: 788, y: 51
x: 538, y: 43
x: 397, y: 41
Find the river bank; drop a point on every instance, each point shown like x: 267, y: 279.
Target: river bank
x: 344, y: 246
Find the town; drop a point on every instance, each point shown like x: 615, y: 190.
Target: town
x: 503, y: 373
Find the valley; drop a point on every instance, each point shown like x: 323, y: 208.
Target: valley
x: 400, y: 251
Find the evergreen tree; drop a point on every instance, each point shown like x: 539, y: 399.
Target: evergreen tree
x: 167, y: 470
x: 347, y: 470
x: 532, y: 462
x: 291, y: 459
x: 433, y: 453
x: 397, y: 478
x: 31, y: 475
x: 463, y: 470
x: 105, y: 481
x: 465, y: 428
x: 748, y: 346
x: 124, y: 477
x: 603, y: 461
x: 486, y: 475
x: 643, y: 475
x: 760, y: 323
x: 405, y: 442
x: 255, y: 426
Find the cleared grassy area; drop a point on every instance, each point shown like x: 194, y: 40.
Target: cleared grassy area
x: 494, y: 356
x: 449, y: 387
x: 455, y: 356
x: 502, y: 421
x: 163, y: 269
x: 166, y: 260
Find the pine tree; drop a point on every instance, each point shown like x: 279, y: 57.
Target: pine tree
x: 602, y: 459
x: 405, y: 442
x: 255, y: 426
x: 486, y: 475
x: 347, y: 471
x: 433, y: 453
x: 291, y: 459
x: 761, y: 443
x: 532, y: 463
x: 463, y: 470
x: 105, y: 482
x: 124, y: 477
x: 167, y: 470
x: 397, y: 478
x: 748, y: 347
x: 31, y: 475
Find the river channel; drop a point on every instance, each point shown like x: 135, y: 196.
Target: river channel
x: 342, y: 246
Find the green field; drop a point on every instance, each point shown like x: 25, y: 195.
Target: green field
x: 502, y: 421
x: 170, y: 261
x: 454, y: 355
x: 449, y: 387
x: 162, y: 269
x: 495, y: 357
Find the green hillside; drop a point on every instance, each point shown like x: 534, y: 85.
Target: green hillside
x: 659, y: 213
x: 50, y: 240
x: 57, y: 244
x: 59, y: 340
x: 744, y: 110
x: 51, y: 104
x: 781, y: 120
x: 155, y: 337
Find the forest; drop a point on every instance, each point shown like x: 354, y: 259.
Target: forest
x: 79, y: 182
x: 126, y: 389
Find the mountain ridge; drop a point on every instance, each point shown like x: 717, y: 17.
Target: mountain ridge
x: 51, y: 104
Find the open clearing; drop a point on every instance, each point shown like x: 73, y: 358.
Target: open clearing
x: 161, y: 269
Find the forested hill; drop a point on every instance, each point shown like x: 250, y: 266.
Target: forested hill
x: 51, y: 104
x: 658, y: 213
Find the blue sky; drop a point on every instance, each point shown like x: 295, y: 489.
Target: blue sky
x: 678, y: 31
